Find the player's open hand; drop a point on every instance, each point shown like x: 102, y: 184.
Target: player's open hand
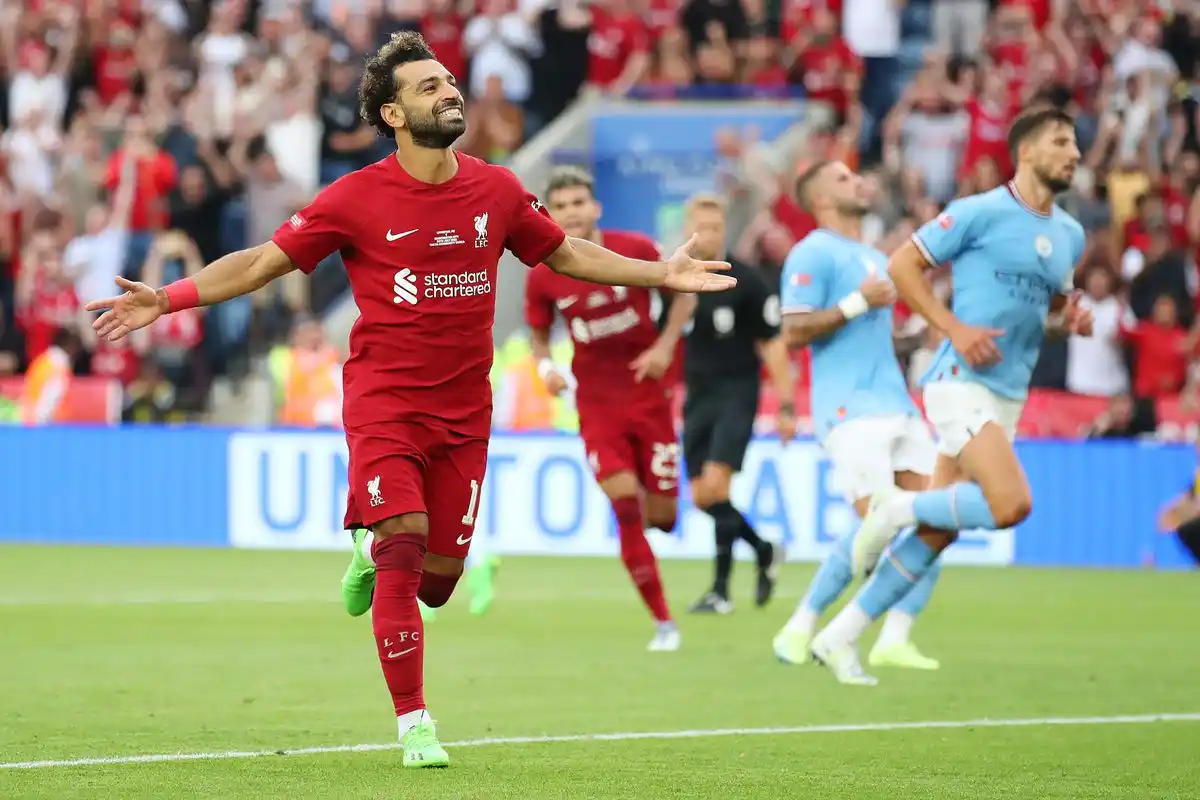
x: 555, y: 383
x: 139, y: 306
x: 1079, y: 319
x: 686, y: 274
x: 976, y: 345
x: 878, y: 292
x: 653, y: 362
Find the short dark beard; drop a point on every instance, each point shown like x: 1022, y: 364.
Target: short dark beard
x: 1055, y: 185
x: 853, y: 209
x: 428, y: 130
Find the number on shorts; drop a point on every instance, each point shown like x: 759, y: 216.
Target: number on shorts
x: 665, y: 462
x: 473, y: 506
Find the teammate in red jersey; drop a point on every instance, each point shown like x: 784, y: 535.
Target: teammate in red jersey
x: 421, y: 233
x: 620, y: 364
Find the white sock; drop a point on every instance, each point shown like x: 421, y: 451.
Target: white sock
x: 850, y: 624
x: 365, y: 548
x: 900, y: 509
x: 406, y: 722
x: 896, y: 629
x: 803, y: 620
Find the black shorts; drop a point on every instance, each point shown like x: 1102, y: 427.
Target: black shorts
x: 718, y: 422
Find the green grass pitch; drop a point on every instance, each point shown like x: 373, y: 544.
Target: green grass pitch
x: 112, y: 653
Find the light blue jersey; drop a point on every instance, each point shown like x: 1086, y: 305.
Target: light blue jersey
x: 1007, y: 262
x: 854, y: 372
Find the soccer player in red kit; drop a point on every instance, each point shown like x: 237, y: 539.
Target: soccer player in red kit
x: 621, y: 364
x: 421, y: 233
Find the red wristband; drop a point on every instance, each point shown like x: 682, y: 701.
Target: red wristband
x: 182, y: 294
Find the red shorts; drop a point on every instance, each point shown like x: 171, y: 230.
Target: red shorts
x: 641, y: 441
x: 410, y: 468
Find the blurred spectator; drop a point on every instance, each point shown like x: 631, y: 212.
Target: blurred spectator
x: 1096, y: 363
x: 1118, y: 421
x: 959, y: 25
x: 494, y: 125
x: 308, y: 378
x: 150, y: 397
x: 618, y: 47
x: 713, y: 23
x: 45, y: 297
x: 155, y: 176
x: 500, y: 41
x: 1161, y: 348
x: 96, y: 257
x: 48, y: 379
x: 1159, y: 270
x: 175, y: 338
x: 348, y: 143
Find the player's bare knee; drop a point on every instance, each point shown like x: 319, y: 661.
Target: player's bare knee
x: 619, y: 485
x: 1011, y: 507
x: 410, y: 524
x: 936, y: 538
x: 661, y: 512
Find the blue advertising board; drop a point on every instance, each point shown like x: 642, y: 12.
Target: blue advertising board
x: 647, y: 161
x: 1095, y: 503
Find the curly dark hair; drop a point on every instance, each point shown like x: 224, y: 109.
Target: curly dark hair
x: 379, y: 86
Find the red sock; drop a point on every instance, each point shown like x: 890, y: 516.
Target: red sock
x: 396, y: 619
x: 639, y: 558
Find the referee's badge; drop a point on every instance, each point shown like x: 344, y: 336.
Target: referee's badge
x: 723, y: 319
x: 1043, y: 246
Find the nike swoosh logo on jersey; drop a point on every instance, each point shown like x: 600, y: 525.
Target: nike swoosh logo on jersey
x: 462, y: 541
x: 566, y: 302
x: 391, y: 237
x: 401, y: 653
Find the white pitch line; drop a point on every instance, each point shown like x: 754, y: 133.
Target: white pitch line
x: 1140, y: 719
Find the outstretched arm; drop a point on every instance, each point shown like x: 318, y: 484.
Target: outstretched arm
x: 233, y: 275
x: 229, y: 276
x: 586, y: 261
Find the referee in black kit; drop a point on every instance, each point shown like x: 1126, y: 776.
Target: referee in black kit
x: 732, y: 335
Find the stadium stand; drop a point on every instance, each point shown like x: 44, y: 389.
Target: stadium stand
x: 149, y: 136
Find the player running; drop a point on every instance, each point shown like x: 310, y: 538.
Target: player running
x: 838, y: 301
x: 623, y: 394
x: 1013, y: 253
x: 421, y: 233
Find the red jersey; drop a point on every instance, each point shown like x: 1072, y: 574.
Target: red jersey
x: 444, y: 35
x: 823, y: 68
x: 52, y: 306
x: 117, y: 360
x: 613, y: 40
x: 987, y: 136
x: 421, y: 259
x: 797, y: 15
x: 1161, y: 359
x: 610, y: 325
x: 156, y: 178
x: 1012, y: 59
x: 661, y: 15
x: 114, y: 70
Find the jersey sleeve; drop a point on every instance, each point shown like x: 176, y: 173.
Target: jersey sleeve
x: 805, y: 281
x: 539, y: 307
x: 313, y: 233
x: 532, y: 234
x: 947, y: 236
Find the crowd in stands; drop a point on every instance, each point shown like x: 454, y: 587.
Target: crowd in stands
x: 147, y: 137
